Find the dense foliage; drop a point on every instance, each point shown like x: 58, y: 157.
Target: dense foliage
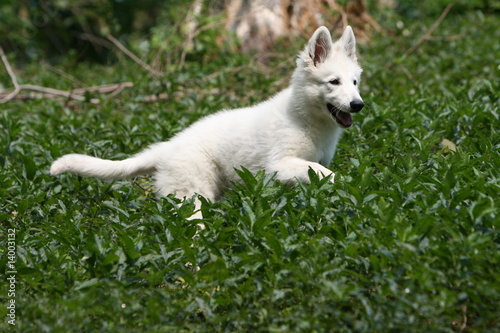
x: 37, y: 29
x: 407, y: 239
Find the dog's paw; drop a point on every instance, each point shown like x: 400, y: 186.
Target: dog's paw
x: 324, y: 172
x: 332, y: 177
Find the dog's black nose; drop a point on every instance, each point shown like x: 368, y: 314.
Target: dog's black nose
x: 356, y: 105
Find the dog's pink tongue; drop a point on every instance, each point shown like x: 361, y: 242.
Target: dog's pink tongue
x: 344, y: 118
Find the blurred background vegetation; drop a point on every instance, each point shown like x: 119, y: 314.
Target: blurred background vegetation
x: 50, y: 29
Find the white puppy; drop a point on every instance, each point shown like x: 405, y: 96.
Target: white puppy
x: 291, y: 132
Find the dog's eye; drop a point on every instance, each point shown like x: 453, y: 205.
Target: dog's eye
x: 335, y: 82
x: 355, y: 82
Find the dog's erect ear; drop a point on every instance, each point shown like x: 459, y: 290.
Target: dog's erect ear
x: 320, y: 45
x: 349, y: 43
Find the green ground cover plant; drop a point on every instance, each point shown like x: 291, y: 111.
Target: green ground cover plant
x: 406, y: 240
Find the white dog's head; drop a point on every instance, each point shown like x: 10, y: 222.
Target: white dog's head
x: 329, y: 75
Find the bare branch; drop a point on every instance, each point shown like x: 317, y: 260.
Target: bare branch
x: 132, y: 56
x: 64, y: 75
x: 13, y: 78
x: 427, y: 35
x: 75, y: 94
x: 104, y: 88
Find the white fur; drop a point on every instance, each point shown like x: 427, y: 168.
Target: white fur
x: 288, y: 134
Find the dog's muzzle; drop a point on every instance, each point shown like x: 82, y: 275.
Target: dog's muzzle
x: 344, y: 119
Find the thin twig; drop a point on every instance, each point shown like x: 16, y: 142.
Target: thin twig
x: 95, y: 40
x: 52, y: 91
x: 13, y: 78
x: 64, y: 75
x: 147, y: 190
x: 9, y: 68
x: 429, y: 32
x: 464, y: 320
x: 132, y: 56
x: 104, y: 88
x: 445, y: 38
x: 75, y: 94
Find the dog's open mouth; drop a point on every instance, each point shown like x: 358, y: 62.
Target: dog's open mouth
x: 344, y: 119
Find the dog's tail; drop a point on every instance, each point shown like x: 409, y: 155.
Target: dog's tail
x: 142, y: 163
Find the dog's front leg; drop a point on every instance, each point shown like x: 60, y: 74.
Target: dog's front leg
x: 292, y: 169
